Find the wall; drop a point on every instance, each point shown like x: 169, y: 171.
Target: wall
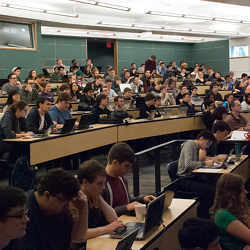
x: 240, y: 65
x: 140, y: 51
x: 214, y: 54
x: 49, y: 48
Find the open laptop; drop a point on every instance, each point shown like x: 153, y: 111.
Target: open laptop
x: 84, y: 122
x: 67, y: 127
x: 127, y: 242
x: 152, y: 221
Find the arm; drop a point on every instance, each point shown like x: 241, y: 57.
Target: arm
x: 6, y: 125
x: 189, y: 162
x: 107, y: 210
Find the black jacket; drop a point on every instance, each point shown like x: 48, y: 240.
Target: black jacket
x: 34, y: 119
x: 86, y: 103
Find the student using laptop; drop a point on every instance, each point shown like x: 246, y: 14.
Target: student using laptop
x: 188, y: 161
x: 121, y: 158
x: 102, y: 217
x: 38, y: 119
x: 100, y: 111
x: 60, y: 112
x: 199, y: 234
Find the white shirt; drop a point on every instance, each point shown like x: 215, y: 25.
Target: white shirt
x: 42, y: 122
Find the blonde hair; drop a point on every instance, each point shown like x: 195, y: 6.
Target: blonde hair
x: 228, y: 196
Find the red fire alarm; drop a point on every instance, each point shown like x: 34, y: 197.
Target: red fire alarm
x: 108, y: 44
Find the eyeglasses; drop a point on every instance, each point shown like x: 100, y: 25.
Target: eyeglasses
x: 22, y: 215
x: 14, y: 78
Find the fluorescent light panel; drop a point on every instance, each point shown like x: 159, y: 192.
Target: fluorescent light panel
x: 52, y: 12
x: 103, y: 4
x: 204, y: 18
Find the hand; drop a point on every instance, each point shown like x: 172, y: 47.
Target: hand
x: 80, y: 201
x: 149, y: 198
x: 221, y: 158
x: 28, y: 88
x: 76, y: 124
x: 131, y: 206
x: 58, y: 126
x: 113, y: 225
x: 247, y: 247
x: 29, y: 133
x: 209, y: 163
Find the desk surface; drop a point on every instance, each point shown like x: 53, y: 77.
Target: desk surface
x: 230, y: 168
x: 170, y: 217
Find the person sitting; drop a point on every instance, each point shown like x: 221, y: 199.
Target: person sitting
x: 119, y: 113
x: 166, y: 97
x: 121, y: 158
x: 245, y: 105
x: 100, y: 111
x: 60, y: 111
x: 156, y: 90
x: 38, y: 120
x: 146, y: 81
x: 186, y: 102
x: 227, y: 102
x: 133, y: 69
x: 87, y: 100
x: 75, y: 92
x: 127, y: 94
x: 214, y: 88
x: 220, y: 131
x: 49, y: 213
x: 126, y: 77
x: 28, y: 93
x: 65, y: 88
x: 111, y: 92
x: 179, y: 97
x: 235, y: 120
x: 195, y: 98
x: 220, y: 114
x: 228, y: 84
x: 59, y: 63
x: 136, y: 85
x: 197, y: 233
x: 13, y: 97
x: 102, y: 218
x: 200, y: 79
x: 12, y: 85
x: 40, y: 80
x: 13, y: 217
x: 58, y: 75
x: 230, y: 212
x: 46, y: 92
x: 13, y: 124
x: 116, y: 85
x: 188, y: 161
x: 147, y: 108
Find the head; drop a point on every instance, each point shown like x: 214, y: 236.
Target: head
x: 12, y: 78
x: 47, y: 88
x: 43, y: 104
x: 74, y: 87
x: 147, y: 73
x: 231, y: 195
x: 111, y: 73
x: 13, y: 97
x: 210, y: 70
x: 13, y: 213
x: 194, y: 90
x: 217, y: 75
x: 126, y: 74
x: 59, y: 61
x: 204, y: 139
x: 61, y: 70
x: 88, y: 91
x: 149, y: 99
x: 32, y: 74
x: 65, y: 88
x: 153, y: 58
x: 88, y: 61
x: 56, y: 70
x: 158, y: 85
x: 215, y: 89
x: 220, y: 114
x: 220, y: 130
x: 108, y: 83
x: 119, y: 102
x: 247, y: 98
x: 75, y: 62
x: 20, y: 109
x: 92, y: 178
x: 102, y: 100
x: 244, y: 76
x: 63, y: 101
x: 127, y: 93
x: 235, y: 106
x: 184, y: 90
x: 16, y: 71
x: 56, y: 189
x: 199, y: 234
x: 157, y: 101
x: 186, y: 98
x: 133, y: 65
x: 121, y: 158
x: 200, y: 74
x: 40, y: 79
x: 171, y: 84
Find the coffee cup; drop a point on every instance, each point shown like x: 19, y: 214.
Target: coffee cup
x: 247, y: 136
x: 140, y: 211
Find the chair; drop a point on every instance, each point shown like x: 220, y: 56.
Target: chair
x: 176, y: 182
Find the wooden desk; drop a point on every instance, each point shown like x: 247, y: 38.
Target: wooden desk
x: 143, y: 128
x: 58, y: 146
x: 3, y: 99
x: 247, y: 116
x: 225, y: 92
x: 162, y: 238
x: 240, y: 167
x: 201, y: 89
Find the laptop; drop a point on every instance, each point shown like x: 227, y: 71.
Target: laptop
x: 67, y: 127
x: 127, y: 242
x: 152, y: 221
x: 84, y: 122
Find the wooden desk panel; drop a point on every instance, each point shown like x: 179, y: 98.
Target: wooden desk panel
x: 3, y: 100
x: 162, y: 238
x: 202, y: 89
x: 144, y: 128
x: 225, y: 92
x: 247, y: 116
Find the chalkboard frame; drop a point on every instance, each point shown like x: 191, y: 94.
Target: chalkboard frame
x: 34, y: 35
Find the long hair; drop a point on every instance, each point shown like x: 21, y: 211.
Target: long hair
x: 229, y: 196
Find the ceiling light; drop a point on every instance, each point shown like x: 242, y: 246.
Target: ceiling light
x: 103, y: 4
x: 145, y: 27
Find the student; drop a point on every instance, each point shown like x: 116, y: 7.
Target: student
x: 31, y: 75
x: 111, y: 92
x: 13, y: 97
x: 28, y: 93
x: 75, y: 92
x: 126, y: 77
x: 217, y: 96
x: 121, y: 158
x: 59, y: 63
x: 87, y: 101
x: 199, y: 234
x: 60, y: 111
x: 179, y: 97
x: 119, y: 113
x: 166, y: 97
x: 127, y: 94
x: 235, y: 120
x: 100, y: 111
x: 38, y: 119
x: 171, y: 87
x: 111, y: 76
x: 116, y: 85
x: 200, y: 79
x: 245, y: 105
x: 220, y: 114
x: 188, y: 161
x: 146, y: 81
x: 220, y: 131
x: 46, y: 92
x: 150, y: 64
x: 74, y: 64
x: 13, y: 217
x: 227, y: 102
x: 12, y: 85
x: 230, y: 212
x: 40, y: 80
x: 156, y: 90
x: 65, y: 88
x: 133, y: 70
x: 195, y: 98
x: 13, y: 124
x: 58, y: 75
x: 136, y: 85
x: 147, y: 108
x: 186, y: 102
x: 102, y: 218
x: 228, y: 84
x: 51, y: 225
x: 17, y: 72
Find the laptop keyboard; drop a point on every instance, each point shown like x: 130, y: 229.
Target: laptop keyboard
x: 130, y: 226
